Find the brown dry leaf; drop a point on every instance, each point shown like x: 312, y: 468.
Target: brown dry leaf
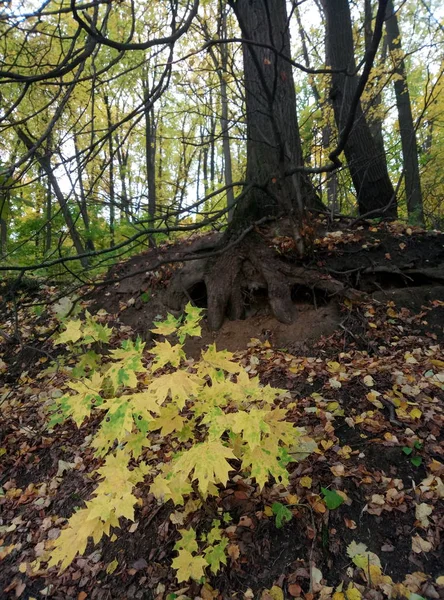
x: 245, y: 521
x: 233, y: 551
x: 350, y: 523
x: 338, y: 470
x: 295, y: 590
x: 82, y: 596
x: 422, y: 512
x: 419, y: 544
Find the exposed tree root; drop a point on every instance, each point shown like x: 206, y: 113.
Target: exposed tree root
x: 240, y: 272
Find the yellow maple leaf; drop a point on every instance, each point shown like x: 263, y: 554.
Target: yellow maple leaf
x: 208, y: 461
x: 117, y: 424
x: 353, y: 593
x: 264, y: 462
x: 79, y: 406
x: 165, y: 353
x: 168, y: 421
x: 74, y: 538
x: 180, y: 385
x: 189, y: 566
x: 72, y: 332
x: 251, y: 425
x: 220, y: 360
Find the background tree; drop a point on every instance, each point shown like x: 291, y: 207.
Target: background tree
x: 368, y: 168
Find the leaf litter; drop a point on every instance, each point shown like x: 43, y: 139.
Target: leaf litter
x: 358, y: 518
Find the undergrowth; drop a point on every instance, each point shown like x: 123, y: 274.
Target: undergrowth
x: 206, y: 419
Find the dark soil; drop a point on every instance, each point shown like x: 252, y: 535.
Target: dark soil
x: 401, y: 310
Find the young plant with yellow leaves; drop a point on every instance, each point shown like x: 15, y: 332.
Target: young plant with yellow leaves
x: 210, y: 417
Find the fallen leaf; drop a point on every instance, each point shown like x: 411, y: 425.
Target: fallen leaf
x: 306, y: 482
x: 233, y: 551
x: 422, y: 511
x: 295, y: 590
x: 419, y: 544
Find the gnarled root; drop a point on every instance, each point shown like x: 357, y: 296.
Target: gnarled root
x: 241, y: 270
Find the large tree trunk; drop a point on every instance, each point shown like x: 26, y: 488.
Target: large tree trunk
x: 367, y: 166
x: 405, y: 119
x: 244, y: 263
x: 273, y: 141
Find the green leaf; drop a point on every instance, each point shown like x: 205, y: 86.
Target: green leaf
x: 407, y: 450
x: 215, y: 555
x: 416, y: 461
x: 144, y: 296
x: 187, y: 540
x: 332, y: 498
x: 418, y: 445
x: 191, y: 325
x: 283, y: 514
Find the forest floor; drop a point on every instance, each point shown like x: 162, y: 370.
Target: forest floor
x: 366, y: 381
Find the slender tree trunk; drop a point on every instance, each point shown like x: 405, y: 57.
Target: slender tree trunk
x: 5, y: 195
x: 204, y: 163
x: 122, y: 158
x: 45, y: 163
x: 3, y: 237
x: 112, y: 194
x: 373, y: 109
x: 48, y: 226
x: 273, y: 140
x: 224, y: 120
x: 368, y: 167
x: 221, y: 69
x: 83, y: 203
x: 405, y: 120
x: 150, y: 154
x: 332, y: 178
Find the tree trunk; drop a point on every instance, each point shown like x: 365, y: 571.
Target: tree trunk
x: 367, y: 166
x: 150, y: 152
x: 373, y: 108
x: 48, y: 226
x: 405, y: 120
x: 242, y: 263
x: 273, y: 141
x: 112, y: 194
x: 122, y: 159
x: 83, y: 203
x: 45, y: 163
x: 224, y: 119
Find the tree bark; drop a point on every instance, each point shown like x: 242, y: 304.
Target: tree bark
x: 368, y: 167
x: 150, y: 152
x: 405, y: 120
x: 273, y: 141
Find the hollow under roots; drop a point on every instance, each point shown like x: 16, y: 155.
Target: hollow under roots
x: 231, y: 276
